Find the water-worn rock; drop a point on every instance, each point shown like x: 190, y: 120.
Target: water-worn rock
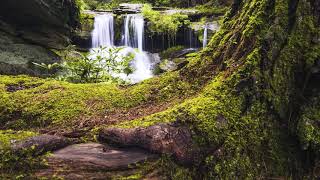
x: 43, y: 143
x: 162, y: 138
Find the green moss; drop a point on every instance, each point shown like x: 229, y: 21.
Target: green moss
x: 206, y: 10
x: 308, y: 128
x: 87, y: 22
x: 244, y: 112
x: 9, y: 136
x: 163, y: 23
x: 238, y: 111
x: 50, y: 102
x: 15, y: 165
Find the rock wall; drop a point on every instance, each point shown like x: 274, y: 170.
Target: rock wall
x: 30, y: 29
x: 47, y: 23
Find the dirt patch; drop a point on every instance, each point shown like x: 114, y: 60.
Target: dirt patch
x: 120, y: 115
x: 21, y: 86
x: 81, y: 127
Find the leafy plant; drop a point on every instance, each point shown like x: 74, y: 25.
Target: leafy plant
x: 49, y: 68
x: 94, y: 67
x: 89, y: 69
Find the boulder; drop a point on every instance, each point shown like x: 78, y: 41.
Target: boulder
x: 167, y: 139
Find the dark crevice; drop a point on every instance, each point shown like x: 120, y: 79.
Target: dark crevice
x: 292, y: 13
x: 235, y: 7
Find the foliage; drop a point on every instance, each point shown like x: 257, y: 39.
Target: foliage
x: 164, y: 23
x: 100, y: 68
x: 50, y: 68
x: 81, y: 5
x: 102, y: 4
x: 97, y: 66
x: 206, y: 10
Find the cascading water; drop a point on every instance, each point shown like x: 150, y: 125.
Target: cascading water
x: 134, y: 31
x: 103, y: 33
x: 205, y: 36
x: 133, y: 37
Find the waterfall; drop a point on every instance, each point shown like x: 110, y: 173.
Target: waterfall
x: 133, y: 38
x: 103, y: 33
x: 205, y: 36
x: 134, y: 31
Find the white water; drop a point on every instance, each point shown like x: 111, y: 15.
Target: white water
x: 205, y: 36
x: 134, y: 31
x: 103, y: 33
x: 133, y: 37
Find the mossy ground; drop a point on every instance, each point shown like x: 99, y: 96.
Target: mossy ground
x: 38, y: 103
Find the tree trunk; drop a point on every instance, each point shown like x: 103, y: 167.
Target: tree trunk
x: 260, y: 106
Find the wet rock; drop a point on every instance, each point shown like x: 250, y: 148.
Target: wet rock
x: 30, y: 29
x: 126, y: 8
x: 181, y: 11
x: 131, y: 6
x: 42, y: 144
x: 212, y: 26
x: 162, y: 138
x: 83, y: 40
x: 175, y: 60
x: 167, y: 66
x: 184, y: 52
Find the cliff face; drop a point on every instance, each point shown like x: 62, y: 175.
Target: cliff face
x: 28, y: 29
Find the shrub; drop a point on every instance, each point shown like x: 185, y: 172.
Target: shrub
x: 97, y: 66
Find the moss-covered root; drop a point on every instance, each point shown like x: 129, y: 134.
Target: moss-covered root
x: 262, y: 56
